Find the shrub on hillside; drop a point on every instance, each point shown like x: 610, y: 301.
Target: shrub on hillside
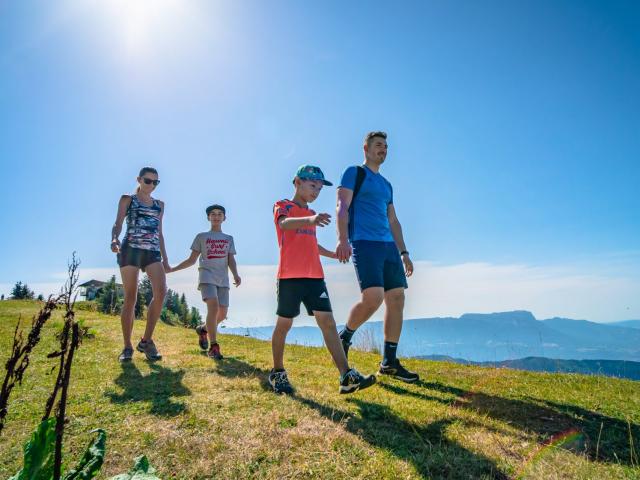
x: 21, y: 291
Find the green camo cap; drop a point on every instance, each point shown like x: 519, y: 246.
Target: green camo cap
x: 311, y: 172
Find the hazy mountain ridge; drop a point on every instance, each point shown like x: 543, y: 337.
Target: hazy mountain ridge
x: 610, y: 368
x: 493, y: 337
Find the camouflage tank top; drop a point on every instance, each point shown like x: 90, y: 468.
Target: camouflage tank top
x: 143, y: 225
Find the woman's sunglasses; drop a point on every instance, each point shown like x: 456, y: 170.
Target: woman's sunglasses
x: 149, y: 181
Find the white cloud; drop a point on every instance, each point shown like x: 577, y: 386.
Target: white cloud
x: 434, y: 290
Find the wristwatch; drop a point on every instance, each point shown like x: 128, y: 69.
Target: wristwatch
x: 404, y: 252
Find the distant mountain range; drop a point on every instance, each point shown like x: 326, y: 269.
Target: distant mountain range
x: 610, y: 368
x: 493, y: 337
x: 627, y: 323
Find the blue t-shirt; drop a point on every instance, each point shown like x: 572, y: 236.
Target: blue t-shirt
x: 368, y: 219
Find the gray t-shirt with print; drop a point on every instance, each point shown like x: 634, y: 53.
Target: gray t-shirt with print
x: 214, y: 249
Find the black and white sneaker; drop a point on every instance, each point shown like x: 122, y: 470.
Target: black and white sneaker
x: 280, y: 382
x: 354, y: 380
x: 398, y: 371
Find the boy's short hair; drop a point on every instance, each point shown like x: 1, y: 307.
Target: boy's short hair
x: 216, y: 207
x: 371, y: 135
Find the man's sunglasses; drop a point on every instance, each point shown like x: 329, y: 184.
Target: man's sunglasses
x: 149, y: 181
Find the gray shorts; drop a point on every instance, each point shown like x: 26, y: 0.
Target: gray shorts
x: 209, y: 291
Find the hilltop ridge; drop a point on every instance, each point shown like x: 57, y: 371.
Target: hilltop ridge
x: 196, y: 419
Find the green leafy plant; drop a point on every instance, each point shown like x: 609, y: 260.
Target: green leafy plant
x: 142, y: 470
x: 39, y: 455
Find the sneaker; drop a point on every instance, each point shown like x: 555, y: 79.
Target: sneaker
x: 214, y: 352
x: 345, y: 346
x: 280, y: 382
x: 354, y: 380
x: 398, y: 371
x: 203, y: 341
x: 126, y: 355
x: 149, y: 349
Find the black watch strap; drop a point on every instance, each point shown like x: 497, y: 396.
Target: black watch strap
x: 404, y: 252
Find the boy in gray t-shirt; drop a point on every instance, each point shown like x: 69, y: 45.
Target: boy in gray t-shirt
x: 217, y: 255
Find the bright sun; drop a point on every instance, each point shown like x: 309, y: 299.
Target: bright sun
x: 140, y: 25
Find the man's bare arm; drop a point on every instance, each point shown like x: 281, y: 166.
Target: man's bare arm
x: 343, y: 249
x: 396, y: 231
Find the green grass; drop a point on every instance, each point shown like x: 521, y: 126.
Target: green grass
x: 195, y: 418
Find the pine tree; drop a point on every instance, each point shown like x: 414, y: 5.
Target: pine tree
x: 109, y: 301
x: 140, y: 303
x: 195, y: 318
x: 21, y: 291
x: 184, y: 311
x: 146, y: 290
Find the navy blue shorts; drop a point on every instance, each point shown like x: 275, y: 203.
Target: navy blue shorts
x: 378, y: 264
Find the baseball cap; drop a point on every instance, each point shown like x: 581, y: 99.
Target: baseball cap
x: 216, y: 207
x: 311, y: 172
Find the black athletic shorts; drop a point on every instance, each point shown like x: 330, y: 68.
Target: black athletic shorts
x: 137, y: 257
x: 310, y: 291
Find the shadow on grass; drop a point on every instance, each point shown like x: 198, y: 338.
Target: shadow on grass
x: 605, y: 439
x: 231, y: 367
x: 156, y: 388
x: 425, y: 446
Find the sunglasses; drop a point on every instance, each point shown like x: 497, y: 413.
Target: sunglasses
x: 149, y: 181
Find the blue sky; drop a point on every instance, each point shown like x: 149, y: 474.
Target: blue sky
x: 514, y: 127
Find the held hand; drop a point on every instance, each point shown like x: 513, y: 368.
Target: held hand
x: 321, y: 219
x: 408, y: 265
x: 343, y: 251
x: 167, y: 267
x: 237, y: 280
x: 115, y: 246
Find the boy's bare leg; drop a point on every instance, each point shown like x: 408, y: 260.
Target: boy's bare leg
x: 130, y: 281
x: 283, y: 325
x: 158, y: 280
x: 222, y: 314
x: 394, y: 305
x: 212, y: 315
x: 328, y: 327
x: 371, y: 300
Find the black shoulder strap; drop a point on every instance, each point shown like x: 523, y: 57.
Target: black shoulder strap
x: 359, y: 179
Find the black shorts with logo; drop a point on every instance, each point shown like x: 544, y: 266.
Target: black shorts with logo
x: 310, y: 291
x: 137, y: 257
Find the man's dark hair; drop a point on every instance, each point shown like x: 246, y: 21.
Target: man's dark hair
x: 368, y: 138
x: 216, y: 207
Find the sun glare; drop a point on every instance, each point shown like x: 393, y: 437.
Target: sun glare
x: 141, y: 26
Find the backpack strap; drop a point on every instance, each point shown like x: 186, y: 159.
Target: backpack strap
x: 361, y: 173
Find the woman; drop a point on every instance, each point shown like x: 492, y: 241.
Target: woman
x: 142, y: 249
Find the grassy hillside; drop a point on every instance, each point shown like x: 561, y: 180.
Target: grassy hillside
x: 195, y: 418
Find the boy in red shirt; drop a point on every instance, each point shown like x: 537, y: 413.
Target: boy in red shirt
x: 301, y: 280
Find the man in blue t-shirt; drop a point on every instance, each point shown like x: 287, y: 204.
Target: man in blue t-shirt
x: 369, y: 230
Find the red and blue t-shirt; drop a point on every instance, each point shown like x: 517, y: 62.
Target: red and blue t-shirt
x: 299, y: 255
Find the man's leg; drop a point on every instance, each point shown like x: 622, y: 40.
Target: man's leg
x: 394, y: 305
x: 330, y: 334
x: 371, y: 300
x: 283, y: 325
